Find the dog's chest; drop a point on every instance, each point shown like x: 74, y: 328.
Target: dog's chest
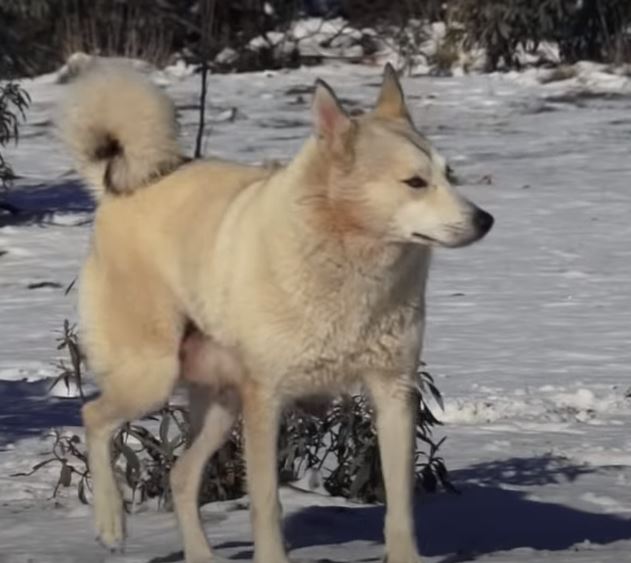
x: 341, y: 343
x: 306, y: 331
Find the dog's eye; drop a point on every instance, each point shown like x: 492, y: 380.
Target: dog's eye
x: 416, y: 182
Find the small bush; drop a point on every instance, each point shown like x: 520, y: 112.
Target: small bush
x: 594, y: 30
x: 499, y: 26
x: 335, y: 444
x: 448, y: 51
x: 591, y: 29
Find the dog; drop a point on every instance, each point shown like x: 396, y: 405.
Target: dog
x: 255, y: 285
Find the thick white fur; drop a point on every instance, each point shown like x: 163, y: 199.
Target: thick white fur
x: 112, y: 103
x: 303, y: 279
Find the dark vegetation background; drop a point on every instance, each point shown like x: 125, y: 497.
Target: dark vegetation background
x: 38, y: 35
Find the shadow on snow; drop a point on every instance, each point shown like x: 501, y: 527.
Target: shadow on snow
x: 27, y: 410
x: 38, y: 202
x: 485, y: 518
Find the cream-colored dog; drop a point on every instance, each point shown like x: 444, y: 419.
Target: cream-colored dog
x: 296, y: 279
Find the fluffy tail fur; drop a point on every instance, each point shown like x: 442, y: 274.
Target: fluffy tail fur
x: 121, y: 129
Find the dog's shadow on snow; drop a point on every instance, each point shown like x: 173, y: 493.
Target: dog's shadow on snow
x: 486, y: 517
x: 27, y: 410
x: 36, y: 203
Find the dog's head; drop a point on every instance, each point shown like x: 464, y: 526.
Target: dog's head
x: 383, y: 179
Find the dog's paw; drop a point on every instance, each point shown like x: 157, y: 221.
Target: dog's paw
x: 205, y: 558
x: 209, y: 559
x: 110, y: 528
x: 411, y: 558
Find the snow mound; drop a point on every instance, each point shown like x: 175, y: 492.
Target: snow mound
x: 547, y: 404
x: 584, y: 78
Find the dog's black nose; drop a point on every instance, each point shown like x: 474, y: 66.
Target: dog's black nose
x: 483, y: 221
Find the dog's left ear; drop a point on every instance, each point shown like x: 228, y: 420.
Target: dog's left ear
x: 391, y: 102
x: 331, y: 123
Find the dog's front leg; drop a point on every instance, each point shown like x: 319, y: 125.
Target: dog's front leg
x: 392, y: 397
x: 261, y: 414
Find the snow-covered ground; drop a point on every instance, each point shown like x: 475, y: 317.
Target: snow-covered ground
x: 529, y: 332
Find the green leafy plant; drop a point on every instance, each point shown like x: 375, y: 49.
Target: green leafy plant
x: 68, y: 452
x: 70, y: 371
x: 339, y: 447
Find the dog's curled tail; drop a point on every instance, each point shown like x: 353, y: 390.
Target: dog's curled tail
x: 121, y: 129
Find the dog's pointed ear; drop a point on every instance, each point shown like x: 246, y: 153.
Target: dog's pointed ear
x: 330, y: 121
x: 391, y: 102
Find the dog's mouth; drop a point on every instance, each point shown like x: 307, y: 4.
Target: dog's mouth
x: 426, y: 239
x: 431, y: 241
x: 458, y: 240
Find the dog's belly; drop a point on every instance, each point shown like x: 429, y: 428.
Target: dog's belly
x: 204, y: 361
x: 323, y: 374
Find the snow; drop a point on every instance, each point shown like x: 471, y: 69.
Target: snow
x: 584, y: 78
x: 528, y: 338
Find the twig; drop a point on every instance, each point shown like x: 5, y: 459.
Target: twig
x: 207, y: 16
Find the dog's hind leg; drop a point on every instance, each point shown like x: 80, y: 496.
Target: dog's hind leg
x: 214, y: 413
x: 134, y: 388
x: 100, y: 422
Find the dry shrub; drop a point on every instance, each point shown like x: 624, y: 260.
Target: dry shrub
x: 13, y: 103
x: 138, y: 30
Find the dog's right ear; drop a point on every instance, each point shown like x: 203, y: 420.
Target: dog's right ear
x: 330, y: 122
x: 391, y: 102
